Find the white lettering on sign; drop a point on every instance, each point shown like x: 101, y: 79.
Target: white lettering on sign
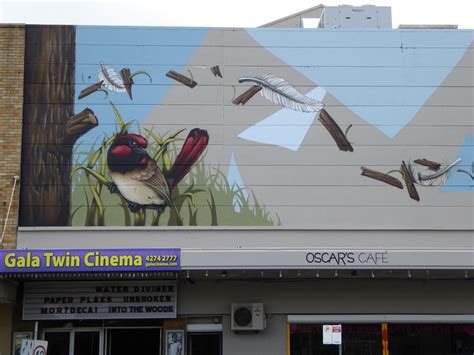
x: 99, y: 300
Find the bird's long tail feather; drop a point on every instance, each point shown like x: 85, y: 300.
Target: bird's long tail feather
x: 194, y: 145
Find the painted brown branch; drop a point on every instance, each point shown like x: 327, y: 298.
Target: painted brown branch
x: 127, y: 80
x: 216, y: 71
x: 377, y: 175
x: 181, y: 78
x: 432, y: 165
x: 408, y: 177
x: 90, y: 89
x: 246, y: 95
x: 80, y: 124
x: 335, y: 131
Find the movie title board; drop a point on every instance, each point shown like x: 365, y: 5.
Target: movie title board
x: 99, y: 300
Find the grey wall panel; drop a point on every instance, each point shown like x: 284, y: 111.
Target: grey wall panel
x: 257, y: 237
x: 271, y: 341
x: 331, y: 296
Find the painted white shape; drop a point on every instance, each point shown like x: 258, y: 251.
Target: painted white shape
x: 285, y: 128
x: 236, y: 182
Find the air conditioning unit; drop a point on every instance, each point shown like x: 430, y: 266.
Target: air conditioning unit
x: 247, y: 316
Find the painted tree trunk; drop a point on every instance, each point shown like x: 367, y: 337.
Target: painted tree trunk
x: 50, y: 127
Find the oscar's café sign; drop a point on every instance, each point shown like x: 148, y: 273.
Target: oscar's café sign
x: 89, y: 260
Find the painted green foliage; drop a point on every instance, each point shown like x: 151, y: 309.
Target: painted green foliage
x: 204, y: 198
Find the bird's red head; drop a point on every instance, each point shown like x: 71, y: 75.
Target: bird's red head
x: 127, y: 151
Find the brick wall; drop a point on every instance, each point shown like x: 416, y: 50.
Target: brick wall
x: 12, y: 49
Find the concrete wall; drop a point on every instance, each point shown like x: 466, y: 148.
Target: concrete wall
x: 335, y: 296
x: 271, y: 341
x: 12, y: 48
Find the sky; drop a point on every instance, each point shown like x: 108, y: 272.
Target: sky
x: 216, y: 13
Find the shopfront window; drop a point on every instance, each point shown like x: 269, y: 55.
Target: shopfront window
x: 358, y: 339
x: 431, y: 339
x: 403, y: 339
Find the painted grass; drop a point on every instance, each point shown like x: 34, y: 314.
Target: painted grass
x: 203, y: 198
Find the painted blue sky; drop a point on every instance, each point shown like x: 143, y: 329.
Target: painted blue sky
x: 397, y: 69
x: 138, y: 48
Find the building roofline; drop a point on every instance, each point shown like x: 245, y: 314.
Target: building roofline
x: 292, y: 15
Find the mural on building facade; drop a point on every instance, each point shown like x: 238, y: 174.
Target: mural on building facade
x: 163, y: 127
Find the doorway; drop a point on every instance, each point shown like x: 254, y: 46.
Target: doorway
x: 126, y: 341
x: 104, y: 341
x: 204, y: 343
x: 74, y: 341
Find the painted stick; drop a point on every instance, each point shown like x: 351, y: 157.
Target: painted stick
x: 216, y: 71
x: 335, y: 131
x: 408, y: 177
x: 181, y: 78
x: 91, y: 89
x: 432, y: 165
x: 246, y: 95
x: 377, y: 175
x: 127, y: 81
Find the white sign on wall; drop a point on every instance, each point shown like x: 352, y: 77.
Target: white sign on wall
x: 337, y: 334
x: 99, y: 300
x: 33, y: 347
x: 327, y: 334
x: 332, y: 334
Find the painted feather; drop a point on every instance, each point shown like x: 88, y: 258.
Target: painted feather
x: 434, y: 179
x: 278, y: 91
x: 110, y: 79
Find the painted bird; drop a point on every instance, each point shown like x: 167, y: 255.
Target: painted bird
x: 137, y: 177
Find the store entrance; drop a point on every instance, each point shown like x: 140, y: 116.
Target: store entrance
x: 104, y: 341
x: 204, y: 343
x: 143, y: 341
x: 74, y: 342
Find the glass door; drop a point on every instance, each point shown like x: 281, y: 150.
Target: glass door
x: 59, y: 342
x: 204, y: 343
x: 126, y: 341
x: 87, y: 343
x: 74, y: 341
